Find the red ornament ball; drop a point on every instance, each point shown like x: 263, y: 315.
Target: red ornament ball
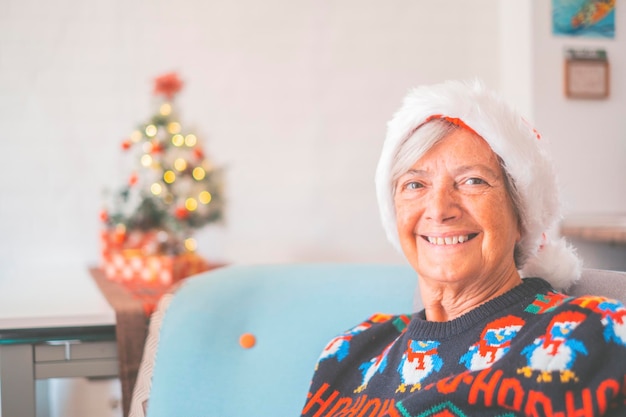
x: 156, y: 147
x: 197, y: 152
x: 181, y: 213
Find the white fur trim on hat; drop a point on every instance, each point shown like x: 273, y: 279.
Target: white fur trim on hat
x: 543, y: 252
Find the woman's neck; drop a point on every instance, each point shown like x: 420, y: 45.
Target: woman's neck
x: 447, y: 301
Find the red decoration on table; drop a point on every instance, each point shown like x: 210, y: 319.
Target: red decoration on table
x: 138, y: 256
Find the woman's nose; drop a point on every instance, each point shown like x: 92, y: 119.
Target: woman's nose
x: 442, y: 204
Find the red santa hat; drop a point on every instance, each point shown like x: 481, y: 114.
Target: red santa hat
x: 541, y: 251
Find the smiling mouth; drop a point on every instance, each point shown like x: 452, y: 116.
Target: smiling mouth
x: 450, y: 240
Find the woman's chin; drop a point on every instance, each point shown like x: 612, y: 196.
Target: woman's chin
x: 446, y: 274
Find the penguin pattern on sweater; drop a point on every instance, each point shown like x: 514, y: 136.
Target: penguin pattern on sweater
x: 529, y: 352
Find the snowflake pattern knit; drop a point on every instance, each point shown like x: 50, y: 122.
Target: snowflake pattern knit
x: 530, y: 352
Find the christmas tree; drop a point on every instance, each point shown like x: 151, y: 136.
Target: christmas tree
x: 173, y: 188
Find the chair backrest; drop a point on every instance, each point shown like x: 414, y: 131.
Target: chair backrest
x: 292, y: 310
x: 610, y: 284
x: 200, y: 369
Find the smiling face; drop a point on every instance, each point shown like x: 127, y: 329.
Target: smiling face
x: 455, y: 219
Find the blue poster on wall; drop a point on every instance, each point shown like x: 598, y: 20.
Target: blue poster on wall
x: 588, y: 18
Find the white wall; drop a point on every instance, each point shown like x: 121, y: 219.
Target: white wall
x: 292, y: 96
x: 587, y: 137
x: 516, y: 54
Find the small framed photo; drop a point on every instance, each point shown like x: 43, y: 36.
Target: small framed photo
x: 586, y: 74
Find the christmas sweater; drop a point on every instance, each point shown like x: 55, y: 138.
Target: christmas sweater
x: 529, y: 352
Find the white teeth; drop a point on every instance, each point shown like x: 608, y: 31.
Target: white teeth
x: 450, y: 240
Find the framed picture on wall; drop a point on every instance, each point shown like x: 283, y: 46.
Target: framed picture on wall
x: 584, y: 18
x: 586, y: 74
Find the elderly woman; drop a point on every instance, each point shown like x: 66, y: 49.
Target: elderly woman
x: 469, y: 196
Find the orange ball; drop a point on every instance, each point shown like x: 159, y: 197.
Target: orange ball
x: 247, y: 340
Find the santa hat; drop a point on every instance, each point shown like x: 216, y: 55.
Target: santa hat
x: 541, y: 251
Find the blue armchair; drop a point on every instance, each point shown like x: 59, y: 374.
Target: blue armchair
x: 195, y: 365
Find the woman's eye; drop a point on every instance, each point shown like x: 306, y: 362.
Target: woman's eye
x: 474, y: 181
x: 413, y: 185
